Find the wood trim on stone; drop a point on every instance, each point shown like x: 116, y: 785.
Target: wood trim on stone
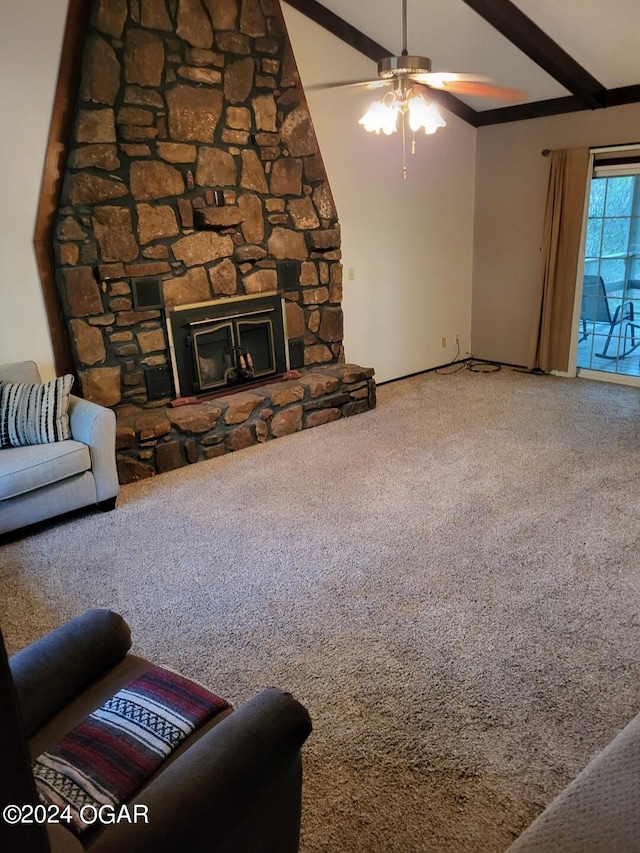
x: 52, y: 176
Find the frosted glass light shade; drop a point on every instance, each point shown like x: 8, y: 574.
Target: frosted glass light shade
x: 423, y: 114
x: 380, y: 116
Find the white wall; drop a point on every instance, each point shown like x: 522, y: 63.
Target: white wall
x: 409, y: 242
x: 30, y: 41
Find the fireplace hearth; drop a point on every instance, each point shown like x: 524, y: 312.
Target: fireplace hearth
x: 227, y: 342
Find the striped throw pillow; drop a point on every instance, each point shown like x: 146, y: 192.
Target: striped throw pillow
x: 34, y: 413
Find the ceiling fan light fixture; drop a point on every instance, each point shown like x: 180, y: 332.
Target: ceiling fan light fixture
x: 424, y: 114
x: 406, y: 71
x: 381, y: 116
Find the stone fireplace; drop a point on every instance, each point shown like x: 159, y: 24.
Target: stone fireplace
x: 194, y: 193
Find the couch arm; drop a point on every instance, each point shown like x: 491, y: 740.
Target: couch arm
x: 599, y: 812
x: 52, y: 670
x: 238, y: 787
x: 95, y: 426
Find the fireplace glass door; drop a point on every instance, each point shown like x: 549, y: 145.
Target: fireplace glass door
x: 227, y: 342
x: 213, y: 350
x: 255, y: 339
x: 235, y: 350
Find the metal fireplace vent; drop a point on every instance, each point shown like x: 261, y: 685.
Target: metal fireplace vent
x: 147, y: 293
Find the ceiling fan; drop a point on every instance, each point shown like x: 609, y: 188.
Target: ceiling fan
x: 411, y: 76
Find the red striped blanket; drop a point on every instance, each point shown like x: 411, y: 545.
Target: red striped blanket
x: 108, y: 757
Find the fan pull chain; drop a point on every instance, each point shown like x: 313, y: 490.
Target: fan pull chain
x: 404, y: 148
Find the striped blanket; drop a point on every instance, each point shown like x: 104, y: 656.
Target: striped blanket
x: 108, y: 757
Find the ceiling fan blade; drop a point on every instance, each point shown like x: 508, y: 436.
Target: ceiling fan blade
x: 485, y: 90
x: 443, y: 79
x: 363, y: 84
x: 478, y: 89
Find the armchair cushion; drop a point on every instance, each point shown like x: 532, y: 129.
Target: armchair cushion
x: 34, y: 413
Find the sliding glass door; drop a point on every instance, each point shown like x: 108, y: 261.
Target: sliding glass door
x: 609, y: 328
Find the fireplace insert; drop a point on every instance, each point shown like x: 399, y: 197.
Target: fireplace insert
x: 227, y: 342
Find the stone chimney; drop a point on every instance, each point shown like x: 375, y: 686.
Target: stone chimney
x: 193, y: 165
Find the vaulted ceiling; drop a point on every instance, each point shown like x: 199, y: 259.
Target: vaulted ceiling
x: 564, y: 55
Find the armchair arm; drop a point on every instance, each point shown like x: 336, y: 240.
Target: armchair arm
x: 236, y: 788
x: 16, y: 780
x: 95, y: 426
x: 53, y: 669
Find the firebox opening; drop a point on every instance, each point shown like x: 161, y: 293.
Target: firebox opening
x: 227, y: 342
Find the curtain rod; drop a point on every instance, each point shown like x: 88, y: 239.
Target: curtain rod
x: 626, y: 146
x: 629, y: 146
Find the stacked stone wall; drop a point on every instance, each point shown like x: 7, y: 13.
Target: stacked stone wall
x: 193, y: 162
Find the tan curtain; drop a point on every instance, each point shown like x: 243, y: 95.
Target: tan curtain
x: 551, y: 337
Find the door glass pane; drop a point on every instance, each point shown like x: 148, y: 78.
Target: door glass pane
x: 597, y: 196
x: 619, y: 196
x: 634, y: 238
x: 594, y: 237
x: 609, y: 329
x: 612, y: 271
x: 615, y: 236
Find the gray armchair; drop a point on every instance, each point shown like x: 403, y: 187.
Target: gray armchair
x: 45, y: 480
x: 234, y: 785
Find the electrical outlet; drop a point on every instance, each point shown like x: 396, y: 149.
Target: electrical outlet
x: 443, y: 343
x: 351, y: 273
x: 456, y: 340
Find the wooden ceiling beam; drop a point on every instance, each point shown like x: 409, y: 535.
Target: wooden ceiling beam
x: 504, y: 16
x: 622, y: 95
x: 556, y: 106
x: 521, y: 31
x: 358, y: 40
x: 532, y: 109
x: 340, y: 28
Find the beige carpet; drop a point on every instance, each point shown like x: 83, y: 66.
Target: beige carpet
x: 449, y: 583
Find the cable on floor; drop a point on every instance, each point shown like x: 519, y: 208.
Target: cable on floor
x: 473, y: 365
x: 483, y: 366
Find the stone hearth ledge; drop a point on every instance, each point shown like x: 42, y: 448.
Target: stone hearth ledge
x: 152, y: 441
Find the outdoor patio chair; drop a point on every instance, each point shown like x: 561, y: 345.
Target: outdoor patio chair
x: 596, y: 309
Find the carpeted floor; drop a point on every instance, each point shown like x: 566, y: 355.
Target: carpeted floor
x: 449, y: 583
